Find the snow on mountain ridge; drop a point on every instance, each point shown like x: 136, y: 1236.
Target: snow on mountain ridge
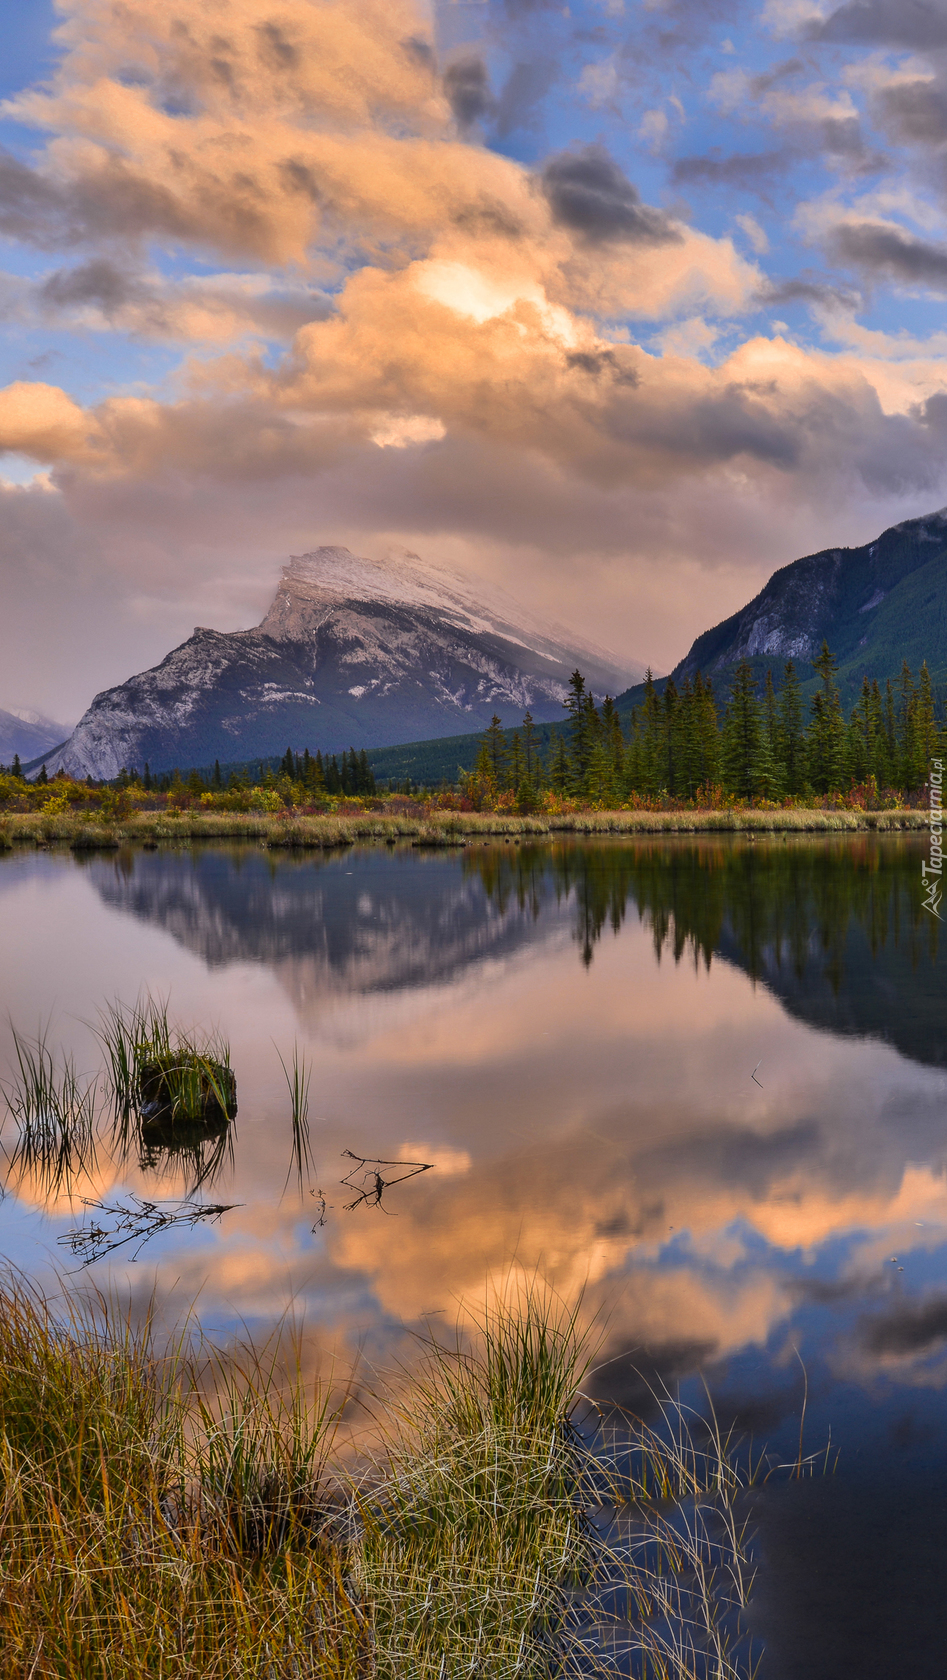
x: 332, y: 575
x: 351, y: 652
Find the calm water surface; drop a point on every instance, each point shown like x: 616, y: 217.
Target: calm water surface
x: 704, y: 1078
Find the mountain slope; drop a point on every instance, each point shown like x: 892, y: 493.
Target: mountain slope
x: 876, y: 606
x: 351, y: 653
x: 28, y: 734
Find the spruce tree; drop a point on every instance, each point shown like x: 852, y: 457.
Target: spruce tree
x: 530, y: 749
x: 707, y: 734
x: 514, y: 774
x: 560, y: 770
x: 497, y: 750
x: 790, y: 733
x: 747, y: 766
x: 651, y: 725
x: 827, y: 738
x: 582, y: 730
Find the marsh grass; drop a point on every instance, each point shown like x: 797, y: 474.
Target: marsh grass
x: 158, y: 1071
x: 297, y: 1075
x: 190, y: 1515
x: 54, y: 1111
x: 289, y: 829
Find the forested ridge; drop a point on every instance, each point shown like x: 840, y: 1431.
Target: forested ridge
x: 687, y: 743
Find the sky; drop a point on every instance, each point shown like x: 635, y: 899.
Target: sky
x: 618, y: 304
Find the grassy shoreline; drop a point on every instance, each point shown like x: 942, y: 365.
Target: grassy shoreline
x: 181, y: 1515
x: 443, y: 828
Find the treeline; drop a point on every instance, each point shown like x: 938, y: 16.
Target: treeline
x: 686, y: 744
x: 344, y: 775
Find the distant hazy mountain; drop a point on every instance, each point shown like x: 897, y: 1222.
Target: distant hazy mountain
x: 29, y: 734
x: 351, y: 653
x: 876, y: 606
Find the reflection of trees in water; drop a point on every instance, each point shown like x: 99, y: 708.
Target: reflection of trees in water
x: 771, y: 897
x: 836, y: 929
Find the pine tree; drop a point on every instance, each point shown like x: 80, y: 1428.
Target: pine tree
x: 613, y: 743
x: 651, y: 739
x: 790, y: 733
x: 747, y: 766
x: 496, y: 749
x: 16, y: 768
x: 218, y: 780
x: 366, y: 775
x: 827, y: 737
x: 560, y: 770
x: 530, y: 749
x: 516, y: 769
x: 582, y: 728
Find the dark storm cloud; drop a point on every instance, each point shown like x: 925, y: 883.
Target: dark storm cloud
x: 113, y: 203
x: 31, y: 208
x: 749, y: 171
x: 97, y: 282
x: 910, y: 1327
x: 914, y: 111
x: 893, y: 23
x: 598, y: 362
x: 891, y: 252
x: 802, y: 290
x: 467, y: 86
x: 588, y: 193
x: 636, y: 1378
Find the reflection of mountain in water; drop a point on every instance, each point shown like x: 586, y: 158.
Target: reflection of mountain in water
x: 371, y: 921
x: 833, y: 928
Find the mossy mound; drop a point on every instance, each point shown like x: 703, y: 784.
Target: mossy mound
x: 186, y: 1090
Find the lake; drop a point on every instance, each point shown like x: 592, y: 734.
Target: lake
x: 704, y: 1079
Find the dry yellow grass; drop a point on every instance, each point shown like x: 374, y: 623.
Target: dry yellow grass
x: 439, y: 829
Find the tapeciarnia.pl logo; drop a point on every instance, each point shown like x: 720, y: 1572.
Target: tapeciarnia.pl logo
x: 932, y: 870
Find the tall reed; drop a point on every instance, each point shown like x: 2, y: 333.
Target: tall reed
x: 297, y: 1077
x: 54, y: 1110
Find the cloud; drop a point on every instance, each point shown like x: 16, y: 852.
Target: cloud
x: 798, y: 289
x: 912, y: 1327
x: 893, y: 23
x: 882, y: 248
x: 43, y: 422
x: 425, y: 338
x: 590, y: 195
x: 467, y: 87
x: 750, y: 171
x: 754, y: 232
x: 914, y: 110
x: 525, y: 87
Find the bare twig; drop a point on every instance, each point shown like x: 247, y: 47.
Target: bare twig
x: 136, y: 1223
x: 373, y: 1184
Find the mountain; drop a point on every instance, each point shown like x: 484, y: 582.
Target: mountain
x: 29, y: 734
x: 352, y: 652
x: 875, y: 606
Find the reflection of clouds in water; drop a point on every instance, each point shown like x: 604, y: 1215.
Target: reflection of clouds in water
x: 598, y: 1124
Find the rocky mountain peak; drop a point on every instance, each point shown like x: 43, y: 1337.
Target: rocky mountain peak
x: 352, y: 652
